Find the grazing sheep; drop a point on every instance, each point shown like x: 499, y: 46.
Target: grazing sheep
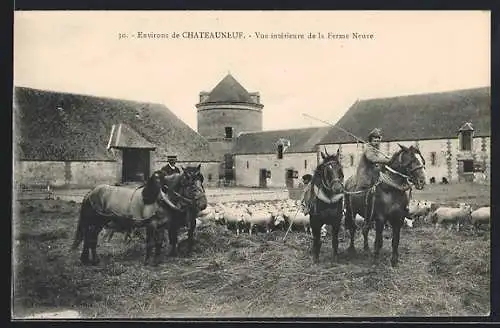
x: 419, y: 209
x: 481, y: 216
x: 234, y: 218
x: 260, y: 218
x: 451, y: 215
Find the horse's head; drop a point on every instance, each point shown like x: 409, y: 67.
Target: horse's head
x: 329, y: 175
x: 192, y: 185
x: 410, y: 162
x: 152, y: 187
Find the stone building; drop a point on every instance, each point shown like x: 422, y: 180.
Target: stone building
x: 72, y: 140
x: 225, y: 112
x: 451, y: 129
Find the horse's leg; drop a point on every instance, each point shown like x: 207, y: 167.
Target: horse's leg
x: 93, y: 237
x: 349, y: 223
x: 192, y: 227
x: 159, y: 234
x: 316, y: 232
x: 366, y: 230
x: 396, y: 229
x: 335, y: 240
x: 150, y: 231
x: 172, y: 237
x: 379, y: 240
x: 84, y: 257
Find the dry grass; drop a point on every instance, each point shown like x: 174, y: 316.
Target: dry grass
x: 441, y: 273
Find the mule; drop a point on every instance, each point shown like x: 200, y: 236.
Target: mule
x: 327, y: 188
x: 386, y: 201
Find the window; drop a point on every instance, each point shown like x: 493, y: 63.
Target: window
x: 229, y: 132
x: 351, y: 159
x: 248, y: 165
x: 466, y: 141
x: 280, y: 151
x: 468, y: 166
x: 305, y: 164
x: 433, y: 158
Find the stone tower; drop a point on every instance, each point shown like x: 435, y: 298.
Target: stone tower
x: 225, y: 112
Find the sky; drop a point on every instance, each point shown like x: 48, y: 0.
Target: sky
x: 411, y: 52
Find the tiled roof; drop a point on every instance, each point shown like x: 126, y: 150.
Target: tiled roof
x: 301, y: 140
x: 64, y: 126
x: 228, y: 90
x: 416, y: 117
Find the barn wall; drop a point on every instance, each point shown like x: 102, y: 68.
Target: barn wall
x: 250, y: 177
x: 70, y: 174
x: 447, y: 153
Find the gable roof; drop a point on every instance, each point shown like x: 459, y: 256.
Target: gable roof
x: 64, y: 126
x: 416, y: 117
x: 264, y: 142
x: 123, y: 136
x: 228, y: 90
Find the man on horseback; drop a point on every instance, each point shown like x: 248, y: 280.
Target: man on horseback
x: 171, y: 168
x: 369, y: 165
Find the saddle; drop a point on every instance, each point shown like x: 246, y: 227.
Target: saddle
x: 120, y: 202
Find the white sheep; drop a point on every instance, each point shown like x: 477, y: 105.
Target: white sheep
x: 262, y: 218
x: 481, y: 216
x: 451, y: 215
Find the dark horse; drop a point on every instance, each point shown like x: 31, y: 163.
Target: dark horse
x: 187, y: 191
x: 386, y: 200
x: 327, y: 187
x: 145, y: 206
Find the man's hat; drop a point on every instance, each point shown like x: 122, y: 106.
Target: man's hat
x: 375, y: 133
x: 171, y: 157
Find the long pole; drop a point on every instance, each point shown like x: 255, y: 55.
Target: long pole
x: 343, y: 130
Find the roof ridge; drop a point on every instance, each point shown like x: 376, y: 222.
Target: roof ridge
x: 91, y: 96
x: 425, y: 94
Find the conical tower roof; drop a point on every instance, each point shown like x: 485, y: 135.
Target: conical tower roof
x: 229, y: 91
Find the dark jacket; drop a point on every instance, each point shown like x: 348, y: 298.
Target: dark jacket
x: 170, y: 170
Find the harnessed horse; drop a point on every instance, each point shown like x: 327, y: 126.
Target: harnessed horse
x: 186, y: 189
x: 386, y: 200
x: 145, y: 206
x: 327, y: 201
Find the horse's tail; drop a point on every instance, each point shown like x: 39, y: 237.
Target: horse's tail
x: 80, y: 228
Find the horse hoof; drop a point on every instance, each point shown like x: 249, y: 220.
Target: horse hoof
x: 94, y: 262
x: 315, y: 260
x: 394, y: 263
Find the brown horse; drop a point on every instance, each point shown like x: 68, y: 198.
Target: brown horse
x: 387, y: 200
x: 145, y: 206
x: 327, y: 201
x: 186, y: 192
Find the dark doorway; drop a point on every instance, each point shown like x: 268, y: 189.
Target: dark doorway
x: 289, y: 178
x: 135, y: 165
x: 263, y: 178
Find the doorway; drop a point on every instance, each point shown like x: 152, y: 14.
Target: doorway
x: 289, y: 178
x: 135, y: 165
x: 263, y: 178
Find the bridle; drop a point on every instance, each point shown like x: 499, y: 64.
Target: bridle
x: 329, y: 165
x: 409, y: 172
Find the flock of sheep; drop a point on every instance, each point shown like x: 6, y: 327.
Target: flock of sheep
x: 269, y: 216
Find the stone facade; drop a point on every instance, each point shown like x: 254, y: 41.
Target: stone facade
x: 248, y: 168
x: 442, y: 156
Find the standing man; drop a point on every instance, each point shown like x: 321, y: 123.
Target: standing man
x: 171, y: 168
x: 369, y: 165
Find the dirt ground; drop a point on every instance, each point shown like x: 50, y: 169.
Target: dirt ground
x: 441, y: 272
